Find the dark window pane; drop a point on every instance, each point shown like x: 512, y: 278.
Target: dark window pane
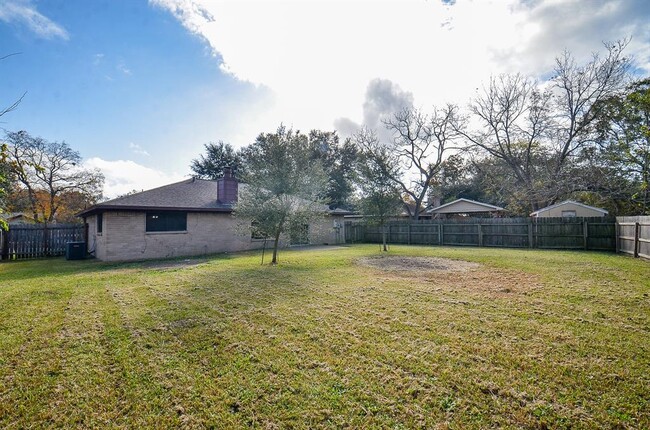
x: 166, y: 221
x: 100, y: 222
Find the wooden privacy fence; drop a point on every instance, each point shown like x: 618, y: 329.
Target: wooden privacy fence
x: 38, y: 240
x: 545, y: 233
x: 633, y: 235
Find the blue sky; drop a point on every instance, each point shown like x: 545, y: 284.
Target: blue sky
x: 139, y: 87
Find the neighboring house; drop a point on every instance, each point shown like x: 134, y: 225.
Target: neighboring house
x: 190, y: 217
x: 465, y: 208
x: 569, y: 208
x: 17, y: 218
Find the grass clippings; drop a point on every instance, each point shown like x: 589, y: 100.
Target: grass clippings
x: 524, y: 339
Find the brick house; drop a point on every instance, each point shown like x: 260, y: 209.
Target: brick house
x: 191, y: 217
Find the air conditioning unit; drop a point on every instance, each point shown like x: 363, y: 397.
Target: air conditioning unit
x: 75, y: 250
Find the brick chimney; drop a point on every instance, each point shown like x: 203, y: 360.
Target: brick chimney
x: 227, y: 188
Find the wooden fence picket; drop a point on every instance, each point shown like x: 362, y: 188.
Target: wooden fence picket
x: 37, y: 240
x: 546, y: 233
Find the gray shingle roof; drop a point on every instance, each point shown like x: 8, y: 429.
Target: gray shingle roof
x: 193, y: 195
x: 190, y: 195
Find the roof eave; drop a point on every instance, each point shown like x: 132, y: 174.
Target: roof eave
x: 99, y: 208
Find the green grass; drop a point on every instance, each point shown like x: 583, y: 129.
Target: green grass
x: 531, y: 339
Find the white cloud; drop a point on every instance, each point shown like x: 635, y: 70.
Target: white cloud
x: 97, y: 59
x: 122, y: 68
x: 137, y: 149
x: 319, y: 57
x: 123, y: 176
x: 22, y: 11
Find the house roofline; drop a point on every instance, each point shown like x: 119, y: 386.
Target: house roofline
x: 548, y: 208
x: 100, y: 208
x: 487, y: 205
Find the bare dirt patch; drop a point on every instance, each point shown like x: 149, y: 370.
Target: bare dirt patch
x: 463, y: 277
x: 408, y: 264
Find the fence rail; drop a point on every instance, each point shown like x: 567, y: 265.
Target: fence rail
x: 34, y: 241
x: 544, y: 233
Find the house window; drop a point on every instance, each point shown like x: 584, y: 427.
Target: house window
x: 100, y: 223
x: 569, y: 214
x: 166, y: 221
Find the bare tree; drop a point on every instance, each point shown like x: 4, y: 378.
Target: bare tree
x: 53, y: 167
x: 579, y: 91
x: 538, y: 130
x: 15, y: 104
x: 418, y: 148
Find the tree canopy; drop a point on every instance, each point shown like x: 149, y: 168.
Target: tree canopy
x: 47, y: 174
x: 379, y: 194
x: 217, y: 157
x: 283, y: 187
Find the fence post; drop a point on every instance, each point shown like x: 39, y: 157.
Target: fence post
x: 408, y: 233
x: 441, y: 234
x: 4, y: 237
x: 637, y: 229
x: 585, y: 234
x: 480, y: 235
x: 530, y: 234
x: 617, y: 233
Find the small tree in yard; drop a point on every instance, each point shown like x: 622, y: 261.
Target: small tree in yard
x: 283, y: 186
x: 380, y: 196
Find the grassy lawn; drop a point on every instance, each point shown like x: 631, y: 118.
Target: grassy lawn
x: 528, y: 339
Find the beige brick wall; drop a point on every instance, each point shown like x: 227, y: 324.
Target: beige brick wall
x: 124, y: 237
x: 322, y: 231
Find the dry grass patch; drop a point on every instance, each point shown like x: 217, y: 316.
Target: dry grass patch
x: 444, y: 273
x: 417, y: 265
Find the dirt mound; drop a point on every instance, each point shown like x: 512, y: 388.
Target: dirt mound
x: 401, y: 263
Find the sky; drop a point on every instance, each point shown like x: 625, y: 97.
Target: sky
x: 139, y: 87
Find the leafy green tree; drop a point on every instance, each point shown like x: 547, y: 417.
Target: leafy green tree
x: 624, y: 124
x: 338, y: 161
x: 5, y: 172
x: 217, y: 157
x: 5, y: 182
x: 380, y: 198
x: 282, y: 186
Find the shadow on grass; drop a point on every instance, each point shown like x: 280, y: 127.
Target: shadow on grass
x: 59, y: 266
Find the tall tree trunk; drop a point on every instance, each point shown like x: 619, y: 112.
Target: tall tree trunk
x: 276, y: 242
x: 383, y: 236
